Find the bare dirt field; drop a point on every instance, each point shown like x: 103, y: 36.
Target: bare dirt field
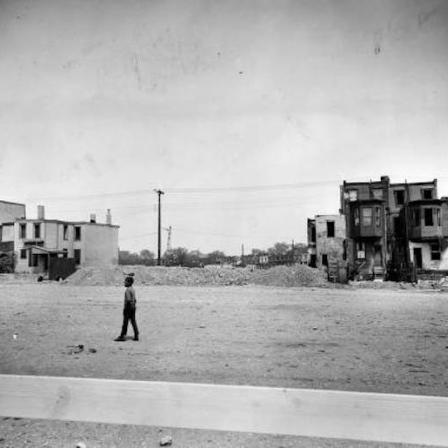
x: 393, y: 341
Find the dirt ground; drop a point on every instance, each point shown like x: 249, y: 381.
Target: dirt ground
x: 393, y: 341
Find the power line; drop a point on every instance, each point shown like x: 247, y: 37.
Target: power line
x: 250, y: 188
x: 188, y: 190
x: 207, y: 190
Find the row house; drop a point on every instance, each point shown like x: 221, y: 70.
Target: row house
x: 38, y: 242
x: 396, y: 230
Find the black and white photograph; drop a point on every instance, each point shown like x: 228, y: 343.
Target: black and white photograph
x: 223, y: 223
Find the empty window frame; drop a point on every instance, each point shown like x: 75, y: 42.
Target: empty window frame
x: 435, y: 251
x: 77, y: 256
x: 77, y: 233
x: 37, y: 230
x: 360, y: 250
x: 65, y: 232
x: 378, y: 216
x: 324, y: 260
x: 330, y: 229
x: 22, y: 231
x: 377, y: 193
x: 438, y: 219
x: 399, y: 197
x: 427, y: 193
x: 353, y: 195
x: 356, y: 216
x: 23, y: 254
x: 366, y: 216
x: 429, y: 220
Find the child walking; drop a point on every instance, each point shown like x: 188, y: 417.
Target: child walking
x: 130, y: 301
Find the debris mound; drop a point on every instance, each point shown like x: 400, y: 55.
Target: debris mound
x: 298, y: 275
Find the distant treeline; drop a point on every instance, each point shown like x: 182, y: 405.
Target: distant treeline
x: 280, y: 253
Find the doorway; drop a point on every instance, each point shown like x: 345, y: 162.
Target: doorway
x: 418, y: 257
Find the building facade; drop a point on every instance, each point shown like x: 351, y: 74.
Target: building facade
x: 398, y: 231
x: 9, y: 211
x: 327, y: 245
x: 36, y: 242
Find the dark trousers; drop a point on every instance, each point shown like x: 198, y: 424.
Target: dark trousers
x: 129, y: 315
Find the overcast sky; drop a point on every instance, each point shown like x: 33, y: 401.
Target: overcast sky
x: 102, y: 101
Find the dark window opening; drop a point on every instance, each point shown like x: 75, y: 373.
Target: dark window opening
x: 418, y: 260
x: 330, y: 229
x: 435, y: 251
x: 417, y: 217
x: 399, y: 197
x: 36, y: 230
x: 439, y: 222
x: 23, y: 254
x: 427, y: 193
x: 429, y: 221
x: 77, y: 256
x: 77, y: 233
x: 22, y: 231
x: 313, y: 234
x: 65, y: 232
x: 324, y: 260
x: 397, y: 225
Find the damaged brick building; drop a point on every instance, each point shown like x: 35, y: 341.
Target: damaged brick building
x: 394, y: 231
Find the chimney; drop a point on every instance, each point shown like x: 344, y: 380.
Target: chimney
x: 92, y: 218
x: 40, y: 212
x: 108, y: 217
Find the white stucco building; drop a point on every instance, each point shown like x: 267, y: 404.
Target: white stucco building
x: 38, y: 241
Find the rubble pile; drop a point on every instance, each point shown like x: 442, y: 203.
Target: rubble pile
x: 210, y: 275
x: 298, y: 275
x: 369, y: 284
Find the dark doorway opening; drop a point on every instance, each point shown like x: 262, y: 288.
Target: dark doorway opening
x: 418, y: 257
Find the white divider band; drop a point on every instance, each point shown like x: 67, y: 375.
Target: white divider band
x: 302, y: 412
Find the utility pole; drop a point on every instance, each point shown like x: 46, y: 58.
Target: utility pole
x: 159, y: 192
